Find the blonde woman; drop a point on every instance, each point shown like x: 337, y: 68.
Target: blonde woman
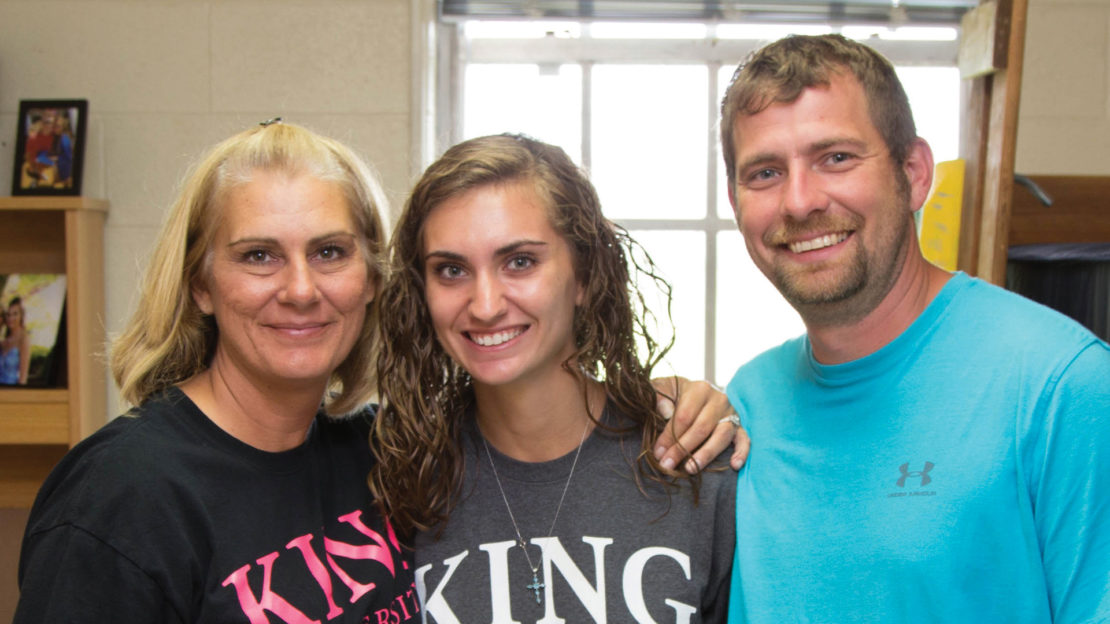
x: 234, y: 491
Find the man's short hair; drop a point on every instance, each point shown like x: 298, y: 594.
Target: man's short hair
x: 781, y: 71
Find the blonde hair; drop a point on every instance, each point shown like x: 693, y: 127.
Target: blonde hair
x: 168, y: 339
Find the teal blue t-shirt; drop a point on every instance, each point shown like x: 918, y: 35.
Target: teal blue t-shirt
x: 959, y: 474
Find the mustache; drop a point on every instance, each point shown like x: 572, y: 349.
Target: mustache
x: 793, y: 230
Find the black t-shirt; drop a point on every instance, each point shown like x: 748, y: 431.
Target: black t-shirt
x: 164, y: 517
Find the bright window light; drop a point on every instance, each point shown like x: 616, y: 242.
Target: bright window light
x: 652, y: 150
x: 751, y: 315
x: 520, y: 30
x: 903, y: 33
x: 680, y: 259
x: 649, y: 140
x: 650, y: 30
x: 522, y: 98
x: 934, y: 94
x: 769, y: 32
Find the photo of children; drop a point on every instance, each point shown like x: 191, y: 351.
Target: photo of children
x: 49, y: 147
x: 30, y: 316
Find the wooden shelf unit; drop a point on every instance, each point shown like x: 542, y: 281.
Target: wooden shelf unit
x: 1078, y: 214
x: 37, y: 425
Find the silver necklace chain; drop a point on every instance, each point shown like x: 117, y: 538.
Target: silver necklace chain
x: 536, y: 584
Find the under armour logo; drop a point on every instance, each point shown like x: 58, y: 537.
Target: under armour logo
x: 924, y: 474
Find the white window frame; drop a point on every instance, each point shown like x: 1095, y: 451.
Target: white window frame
x: 453, y: 52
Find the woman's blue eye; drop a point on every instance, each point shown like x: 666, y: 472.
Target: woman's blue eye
x: 521, y: 262
x: 333, y: 252
x: 449, y: 271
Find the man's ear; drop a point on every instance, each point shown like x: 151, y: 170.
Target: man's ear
x: 918, y: 168
x: 735, y: 207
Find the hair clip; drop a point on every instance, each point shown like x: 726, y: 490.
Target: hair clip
x: 270, y: 122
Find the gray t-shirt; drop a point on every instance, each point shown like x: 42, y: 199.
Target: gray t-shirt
x: 617, y: 554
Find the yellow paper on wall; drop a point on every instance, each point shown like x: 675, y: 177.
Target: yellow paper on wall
x: 940, y: 217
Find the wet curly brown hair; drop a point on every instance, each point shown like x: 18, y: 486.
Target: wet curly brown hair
x: 426, y: 396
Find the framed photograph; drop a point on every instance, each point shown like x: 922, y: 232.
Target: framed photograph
x: 32, y: 334
x: 50, y: 147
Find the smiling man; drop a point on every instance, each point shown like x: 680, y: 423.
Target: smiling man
x: 934, y: 448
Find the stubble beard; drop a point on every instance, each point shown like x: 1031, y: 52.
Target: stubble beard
x: 803, y: 289
x: 844, y: 297
x: 847, y: 294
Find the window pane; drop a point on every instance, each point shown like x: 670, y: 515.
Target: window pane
x: 724, y: 209
x: 651, y: 30
x: 769, y: 32
x: 680, y: 257
x: 649, y: 134
x: 903, y: 33
x: 546, y: 105
x: 492, y: 29
x: 934, y: 94
x: 751, y: 315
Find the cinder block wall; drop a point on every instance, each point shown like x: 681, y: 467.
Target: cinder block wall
x: 1064, y: 119
x: 165, y: 79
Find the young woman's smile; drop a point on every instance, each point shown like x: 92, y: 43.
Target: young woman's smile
x: 500, y: 284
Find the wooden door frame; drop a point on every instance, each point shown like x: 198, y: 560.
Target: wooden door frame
x: 990, y: 93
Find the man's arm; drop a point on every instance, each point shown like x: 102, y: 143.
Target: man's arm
x: 702, y: 420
